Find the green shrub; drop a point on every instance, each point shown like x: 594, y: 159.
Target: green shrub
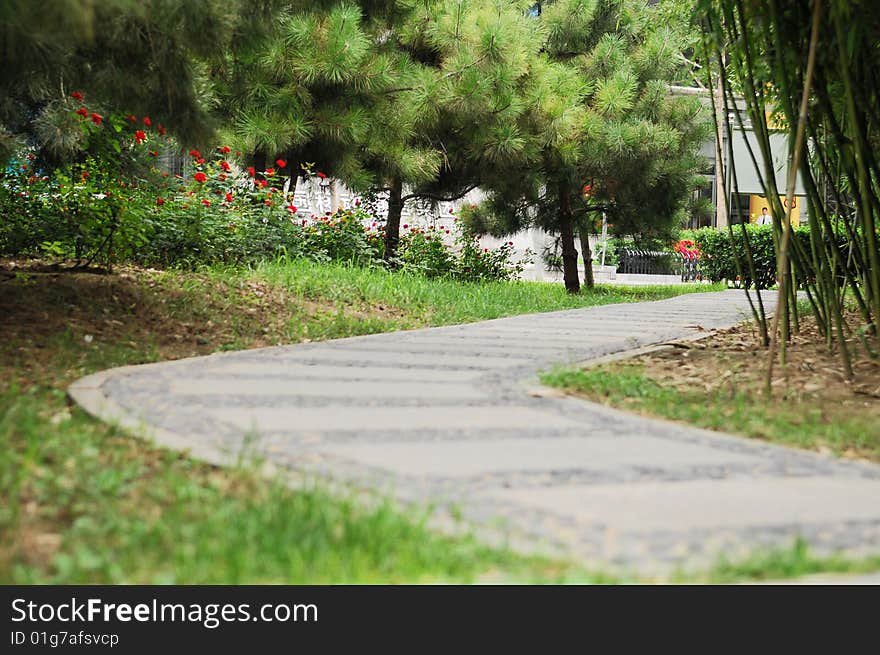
x: 475, y: 263
x: 720, y: 253
x: 424, y: 252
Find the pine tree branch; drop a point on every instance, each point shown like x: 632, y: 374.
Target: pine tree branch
x: 439, y: 198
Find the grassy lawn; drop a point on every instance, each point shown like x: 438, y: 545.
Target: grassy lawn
x: 82, y: 502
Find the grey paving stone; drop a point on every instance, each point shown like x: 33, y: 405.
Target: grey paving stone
x: 454, y: 416
x: 700, y: 504
x: 368, y: 419
x: 588, y: 453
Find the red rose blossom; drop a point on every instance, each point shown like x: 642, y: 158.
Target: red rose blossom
x: 140, y: 136
x: 147, y: 121
x: 82, y: 111
x: 161, y: 130
x: 222, y: 177
x: 200, y: 177
x: 160, y: 201
x: 131, y: 118
x: 225, y: 149
x: 154, y: 153
x: 97, y: 118
x: 270, y: 171
x: 76, y: 95
x: 195, y: 154
x: 268, y: 203
x: 225, y: 165
x: 200, y: 160
x: 251, y: 171
x: 291, y: 208
x: 206, y: 202
x: 323, y: 176
x: 280, y: 163
x: 228, y: 197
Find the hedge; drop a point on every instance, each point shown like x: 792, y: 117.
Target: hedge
x: 719, y: 261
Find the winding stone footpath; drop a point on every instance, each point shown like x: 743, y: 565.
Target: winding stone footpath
x: 455, y: 417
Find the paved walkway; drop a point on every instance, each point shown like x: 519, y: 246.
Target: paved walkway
x: 455, y: 416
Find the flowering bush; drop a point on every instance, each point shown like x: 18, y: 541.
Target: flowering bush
x: 475, y: 263
x: 111, y: 202
x: 83, y: 209
x: 424, y: 252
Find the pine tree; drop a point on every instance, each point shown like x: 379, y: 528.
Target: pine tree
x: 607, y: 134
x: 385, y: 95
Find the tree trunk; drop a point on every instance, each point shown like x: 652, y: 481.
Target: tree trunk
x: 569, y: 252
x: 392, y: 224
x: 293, y: 170
x: 258, y: 160
x: 587, y: 254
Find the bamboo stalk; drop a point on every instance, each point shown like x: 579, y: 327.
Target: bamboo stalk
x: 782, y: 259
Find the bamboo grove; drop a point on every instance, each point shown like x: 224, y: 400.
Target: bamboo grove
x: 808, y: 68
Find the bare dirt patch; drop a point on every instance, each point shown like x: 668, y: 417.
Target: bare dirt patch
x: 144, y: 314
x: 811, y: 386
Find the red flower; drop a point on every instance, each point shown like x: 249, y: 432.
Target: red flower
x: 76, y: 95
x: 270, y: 171
x: 322, y: 175
x: 251, y: 171
x: 268, y: 203
x: 262, y: 183
x: 200, y: 160
x: 154, y: 153
x: 206, y: 202
x: 140, y: 136
x: 291, y: 208
x: 225, y: 149
x: 200, y: 177
x: 97, y: 118
x: 160, y: 201
x: 228, y: 197
x: 147, y: 121
x: 131, y: 118
x: 222, y: 177
x: 82, y: 111
x: 161, y: 130
x: 195, y: 154
x: 85, y: 175
x: 280, y: 163
x: 225, y: 165
x: 405, y: 226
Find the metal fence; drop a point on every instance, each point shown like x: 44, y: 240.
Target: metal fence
x: 654, y: 262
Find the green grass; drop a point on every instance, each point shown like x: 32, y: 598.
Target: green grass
x: 803, y: 424
x: 779, y: 564
x: 423, y: 301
